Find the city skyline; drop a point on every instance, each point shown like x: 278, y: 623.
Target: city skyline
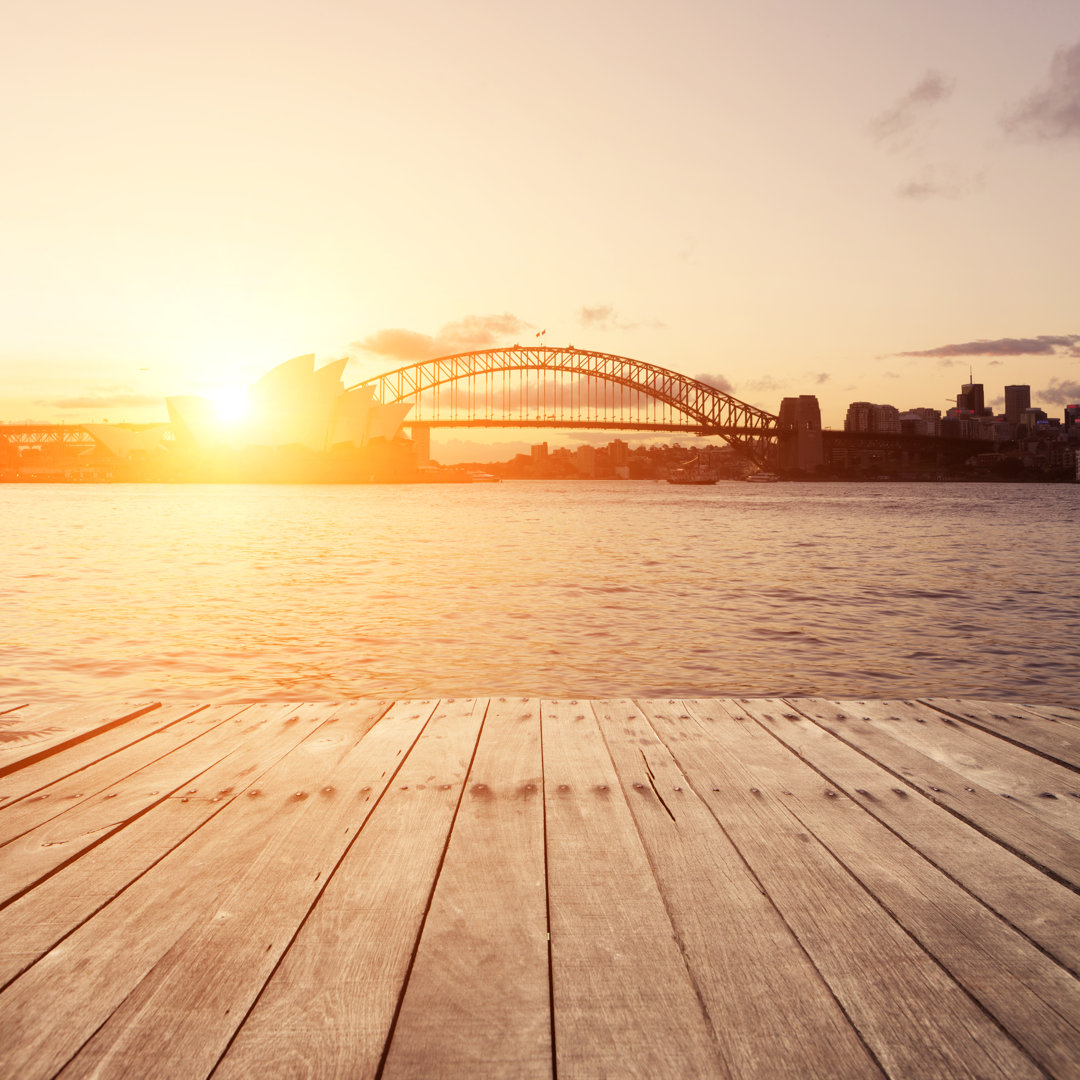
x: 752, y: 196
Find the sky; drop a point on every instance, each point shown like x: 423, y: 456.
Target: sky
x: 859, y: 201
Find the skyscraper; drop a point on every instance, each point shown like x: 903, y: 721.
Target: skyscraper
x: 1017, y: 399
x: 970, y: 398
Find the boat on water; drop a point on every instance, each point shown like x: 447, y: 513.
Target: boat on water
x: 763, y: 478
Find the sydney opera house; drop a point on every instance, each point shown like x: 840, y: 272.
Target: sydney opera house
x: 292, y: 405
x: 297, y: 423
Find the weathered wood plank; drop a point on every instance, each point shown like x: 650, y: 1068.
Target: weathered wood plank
x: 1045, y: 735
x: 159, y: 768
x: 54, y: 908
x: 26, y: 738
x: 1034, y: 999
x: 75, y: 787
x: 911, y: 1014
x: 91, y: 973
x: 1044, y: 846
x: 181, y: 1017
x: 624, y: 1002
x: 1043, y: 788
x: 74, y: 759
x: 1055, y: 712
x: 773, y: 1014
x: 1024, y: 896
x: 477, y: 1003
x: 330, y: 1006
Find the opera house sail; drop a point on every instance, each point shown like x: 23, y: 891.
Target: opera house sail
x: 299, y: 423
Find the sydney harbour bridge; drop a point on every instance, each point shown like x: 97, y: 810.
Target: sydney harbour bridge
x: 544, y: 386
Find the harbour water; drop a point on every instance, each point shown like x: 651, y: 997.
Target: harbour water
x: 238, y: 593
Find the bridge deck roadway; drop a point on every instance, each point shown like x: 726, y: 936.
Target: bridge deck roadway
x: 512, y: 887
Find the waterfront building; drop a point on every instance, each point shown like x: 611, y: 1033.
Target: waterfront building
x: 799, y: 425
x: 865, y: 416
x: 1017, y: 399
x: 920, y: 422
x: 293, y: 404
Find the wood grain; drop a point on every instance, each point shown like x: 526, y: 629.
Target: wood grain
x: 330, y: 1006
x: 773, y: 1014
x: 625, y: 1004
x: 1025, y: 992
x: 478, y: 996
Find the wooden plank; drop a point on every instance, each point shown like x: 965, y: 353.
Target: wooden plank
x: 1043, y: 788
x: 161, y: 767
x: 773, y: 1014
x: 34, y: 778
x: 624, y: 1002
x: 26, y: 738
x: 1047, y: 848
x: 329, y: 1008
x: 1046, y: 735
x: 50, y: 1011
x: 1055, y: 712
x: 74, y: 787
x: 54, y: 908
x: 477, y: 1002
x: 1033, y: 999
x: 1028, y: 899
x: 909, y: 1012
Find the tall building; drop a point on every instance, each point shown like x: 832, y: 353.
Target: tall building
x: 1072, y: 415
x: 799, y: 426
x: 970, y: 398
x: 1017, y: 399
x: 864, y: 416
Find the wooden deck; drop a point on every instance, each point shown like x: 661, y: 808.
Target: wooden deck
x: 531, y: 888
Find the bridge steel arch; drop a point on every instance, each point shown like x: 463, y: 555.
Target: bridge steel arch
x: 564, y: 387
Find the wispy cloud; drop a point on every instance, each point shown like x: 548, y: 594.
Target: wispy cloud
x: 896, y: 124
x: 1054, y: 111
x: 468, y: 334
x: 1061, y: 392
x: 717, y: 382
x: 939, y: 183
x: 1043, y: 345
x: 765, y: 384
x: 603, y: 317
x: 103, y: 401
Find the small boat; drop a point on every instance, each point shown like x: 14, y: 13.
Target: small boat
x: 763, y: 478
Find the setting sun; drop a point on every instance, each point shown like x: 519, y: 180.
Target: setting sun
x: 232, y: 404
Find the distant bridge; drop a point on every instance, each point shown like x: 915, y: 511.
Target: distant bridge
x: 543, y: 386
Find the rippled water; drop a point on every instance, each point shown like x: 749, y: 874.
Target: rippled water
x: 580, y: 589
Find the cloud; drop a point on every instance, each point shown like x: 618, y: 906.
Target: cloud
x: 821, y: 377
x: 1061, y: 392
x: 717, y: 382
x: 1043, y: 345
x: 765, y: 384
x: 103, y: 401
x: 468, y: 334
x: 896, y: 123
x: 603, y: 317
x: 939, y: 183
x: 1053, y: 112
